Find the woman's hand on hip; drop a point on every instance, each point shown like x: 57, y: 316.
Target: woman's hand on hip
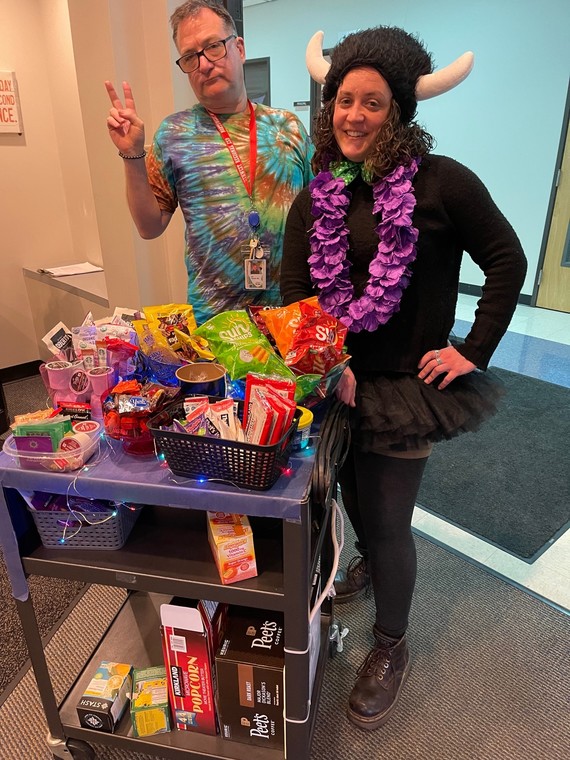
x: 346, y: 389
x: 443, y: 361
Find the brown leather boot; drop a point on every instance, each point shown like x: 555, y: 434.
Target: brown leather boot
x: 379, y: 682
x: 350, y: 583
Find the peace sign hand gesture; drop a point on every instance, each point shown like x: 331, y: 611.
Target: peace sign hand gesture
x: 125, y: 128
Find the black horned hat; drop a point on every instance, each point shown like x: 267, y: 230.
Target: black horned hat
x: 397, y: 55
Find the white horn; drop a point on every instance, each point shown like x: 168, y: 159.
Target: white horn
x: 430, y: 85
x: 316, y: 63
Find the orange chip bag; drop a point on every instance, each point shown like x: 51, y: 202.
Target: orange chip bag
x: 283, y: 322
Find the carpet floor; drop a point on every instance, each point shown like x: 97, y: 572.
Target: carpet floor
x: 52, y: 596
x: 490, y: 678
x: 508, y: 482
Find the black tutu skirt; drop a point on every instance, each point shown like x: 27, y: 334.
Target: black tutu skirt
x: 400, y: 412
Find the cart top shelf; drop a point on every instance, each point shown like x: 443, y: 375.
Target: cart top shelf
x: 112, y: 474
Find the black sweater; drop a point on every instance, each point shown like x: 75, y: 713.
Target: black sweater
x: 454, y: 213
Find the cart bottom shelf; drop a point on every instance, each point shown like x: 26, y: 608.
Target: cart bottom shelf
x: 134, y: 637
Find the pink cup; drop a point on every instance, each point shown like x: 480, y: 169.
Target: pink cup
x: 102, y: 379
x: 59, y: 375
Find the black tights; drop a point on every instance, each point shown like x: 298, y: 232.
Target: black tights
x: 379, y: 494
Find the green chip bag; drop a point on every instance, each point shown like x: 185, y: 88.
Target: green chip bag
x: 240, y: 346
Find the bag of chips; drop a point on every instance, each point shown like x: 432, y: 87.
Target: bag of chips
x: 240, y: 347
x: 318, y: 341
x: 310, y: 340
x: 283, y: 322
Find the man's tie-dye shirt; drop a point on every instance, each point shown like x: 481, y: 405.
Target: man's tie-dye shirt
x: 190, y: 166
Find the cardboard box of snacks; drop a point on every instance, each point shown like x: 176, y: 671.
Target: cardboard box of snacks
x: 150, y: 713
x: 249, y: 668
x: 104, y: 700
x: 231, y: 541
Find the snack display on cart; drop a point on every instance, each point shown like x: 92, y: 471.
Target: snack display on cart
x: 124, y: 369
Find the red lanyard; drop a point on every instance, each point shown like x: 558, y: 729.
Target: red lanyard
x: 247, y: 183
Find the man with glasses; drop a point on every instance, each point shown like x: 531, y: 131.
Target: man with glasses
x: 232, y: 166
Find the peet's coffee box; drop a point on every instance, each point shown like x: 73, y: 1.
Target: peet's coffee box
x: 249, y: 668
x: 191, y: 632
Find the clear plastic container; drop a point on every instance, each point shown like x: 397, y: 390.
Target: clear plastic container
x: 56, y: 461
x: 302, y: 435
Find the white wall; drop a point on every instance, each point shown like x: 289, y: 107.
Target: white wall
x: 33, y: 208
x: 61, y: 183
x: 504, y: 121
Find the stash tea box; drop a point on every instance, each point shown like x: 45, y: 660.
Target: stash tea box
x: 149, y: 701
x: 231, y: 541
x: 249, y: 667
x: 190, y: 635
x: 104, y: 700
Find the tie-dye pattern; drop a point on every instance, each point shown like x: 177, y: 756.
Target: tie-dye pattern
x: 190, y: 166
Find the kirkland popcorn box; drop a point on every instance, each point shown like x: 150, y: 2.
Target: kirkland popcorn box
x: 249, y: 668
x: 190, y: 635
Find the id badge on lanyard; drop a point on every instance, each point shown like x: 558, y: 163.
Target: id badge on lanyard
x: 255, y: 257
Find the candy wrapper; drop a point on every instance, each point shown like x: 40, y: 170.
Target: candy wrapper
x: 127, y: 409
x: 193, y: 348
x: 240, y: 347
x: 164, y: 320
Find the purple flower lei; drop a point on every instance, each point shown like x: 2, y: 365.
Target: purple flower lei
x: 389, y: 270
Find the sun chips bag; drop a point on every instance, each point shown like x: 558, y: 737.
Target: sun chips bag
x: 240, y: 346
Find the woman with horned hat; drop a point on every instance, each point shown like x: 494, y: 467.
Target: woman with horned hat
x: 379, y: 235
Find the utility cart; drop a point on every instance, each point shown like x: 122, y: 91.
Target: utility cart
x: 167, y: 554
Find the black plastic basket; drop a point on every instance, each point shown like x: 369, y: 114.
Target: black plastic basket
x: 246, y: 465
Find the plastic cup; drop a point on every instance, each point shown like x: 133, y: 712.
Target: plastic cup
x: 59, y: 375
x: 202, y: 378
x: 102, y: 379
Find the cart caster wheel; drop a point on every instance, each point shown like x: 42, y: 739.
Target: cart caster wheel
x: 79, y: 750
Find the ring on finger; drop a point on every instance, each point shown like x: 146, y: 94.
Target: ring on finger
x: 437, y: 356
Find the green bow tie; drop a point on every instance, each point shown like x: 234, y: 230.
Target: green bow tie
x: 349, y: 170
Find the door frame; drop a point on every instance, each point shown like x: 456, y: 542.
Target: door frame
x: 551, y: 202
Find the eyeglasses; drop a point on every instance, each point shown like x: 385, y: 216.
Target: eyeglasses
x: 214, y: 52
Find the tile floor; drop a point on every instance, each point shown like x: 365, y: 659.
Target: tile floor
x: 537, y: 344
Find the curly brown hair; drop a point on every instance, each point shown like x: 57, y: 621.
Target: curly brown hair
x: 396, y: 143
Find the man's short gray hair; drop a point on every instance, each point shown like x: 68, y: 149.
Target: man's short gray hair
x: 193, y: 7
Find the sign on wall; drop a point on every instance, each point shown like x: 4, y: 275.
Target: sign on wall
x: 10, y: 117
